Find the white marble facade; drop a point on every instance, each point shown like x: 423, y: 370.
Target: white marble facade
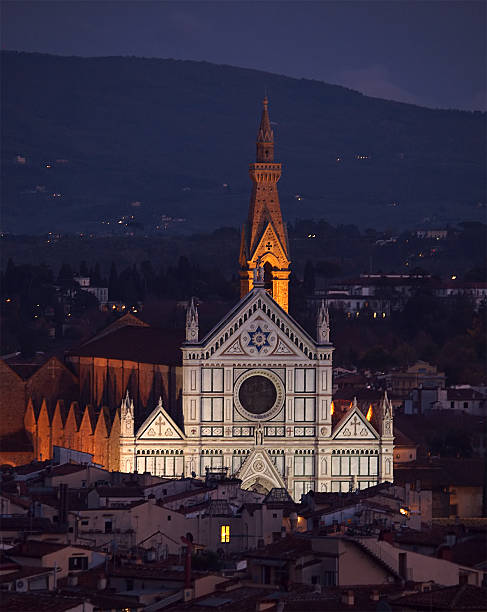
x: 257, y: 393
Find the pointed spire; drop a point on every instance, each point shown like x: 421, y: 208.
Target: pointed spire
x: 354, y: 403
x: 387, y: 416
x: 192, y: 327
x: 265, y: 131
x: 127, y: 407
x: 386, y: 406
x: 323, y: 324
x: 127, y: 416
x: 265, y: 136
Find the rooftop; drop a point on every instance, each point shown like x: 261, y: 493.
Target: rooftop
x: 457, y: 598
x: 128, y: 491
x: 39, y: 602
x: 139, y: 344
x: 290, y: 547
x: 35, y: 549
x: 443, y: 472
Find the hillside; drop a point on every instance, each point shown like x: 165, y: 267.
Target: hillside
x: 103, y: 138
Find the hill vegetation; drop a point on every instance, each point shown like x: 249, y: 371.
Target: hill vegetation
x: 91, y: 142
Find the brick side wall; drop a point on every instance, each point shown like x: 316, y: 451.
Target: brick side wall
x: 14, y: 399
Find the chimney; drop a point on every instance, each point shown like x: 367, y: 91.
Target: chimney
x: 72, y: 580
x: 403, y: 565
x: 63, y: 503
x: 101, y: 583
x: 386, y: 536
x: 445, y: 552
x: 348, y: 598
x: 462, y: 579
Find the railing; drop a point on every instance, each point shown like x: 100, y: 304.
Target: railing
x: 376, y: 548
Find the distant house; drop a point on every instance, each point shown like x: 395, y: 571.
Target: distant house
x: 64, y: 557
x: 24, y: 579
x: 101, y: 293
x: 419, y: 375
x: 435, y: 234
x: 343, y: 561
x: 464, y: 399
x: 456, y: 484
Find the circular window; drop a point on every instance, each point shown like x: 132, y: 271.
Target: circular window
x: 259, y: 394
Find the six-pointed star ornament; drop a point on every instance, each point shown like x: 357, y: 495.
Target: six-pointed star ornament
x: 259, y: 339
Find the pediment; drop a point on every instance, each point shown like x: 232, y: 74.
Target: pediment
x: 354, y: 426
x: 270, y: 249
x: 258, y: 327
x: 259, y: 336
x: 159, y: 426
x: 258, y: 465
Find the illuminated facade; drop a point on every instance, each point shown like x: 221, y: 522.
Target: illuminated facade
x: 264, y: 236
x: 257, y: 389
x: 252, y: 397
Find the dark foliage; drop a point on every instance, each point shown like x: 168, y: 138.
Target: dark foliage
x: 142, y: 139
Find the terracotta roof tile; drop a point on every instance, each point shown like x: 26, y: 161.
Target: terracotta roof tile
x: 139, y: 344
x: 442, y: 472
x: 35, y: 549
x: 287, y: 548
x: 129, y: 491
x: 24, y: 571
x: 37, y: 602
x: 458, y: 598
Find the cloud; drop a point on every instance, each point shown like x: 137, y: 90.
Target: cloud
x: 375, y: 81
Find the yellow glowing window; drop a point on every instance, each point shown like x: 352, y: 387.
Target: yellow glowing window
x: 225, y: 533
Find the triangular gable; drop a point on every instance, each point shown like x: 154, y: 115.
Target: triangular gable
x: 102, y: 427
x: 270, y: 249
x: 290, y: 338
x: 232, y: 319
x: 259, y: 337
x: 8, y: 370
x: 72, y: 421
x: 159, y: 426
x: 354, y: 426
x: 126, y: 320
x: 53, y: 364
x: 258, y: 466
x: 87, y: 421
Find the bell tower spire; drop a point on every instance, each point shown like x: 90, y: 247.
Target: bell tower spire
x: 264, y: 237
x: 265, y: 136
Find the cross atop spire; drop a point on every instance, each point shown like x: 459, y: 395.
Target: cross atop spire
x: 265, y: 135
x: 264, y: 242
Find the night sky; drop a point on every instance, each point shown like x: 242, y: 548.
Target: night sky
x: 431, y: 53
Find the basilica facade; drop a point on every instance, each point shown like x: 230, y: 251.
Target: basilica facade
x: 257, y: 388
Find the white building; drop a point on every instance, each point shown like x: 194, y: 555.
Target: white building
x: 257, y: 389
x: 257, y: 401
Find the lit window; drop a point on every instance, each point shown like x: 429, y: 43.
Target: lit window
x: 225, y: 533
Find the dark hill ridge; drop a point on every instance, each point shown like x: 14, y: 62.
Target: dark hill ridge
x: 170, y: 134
